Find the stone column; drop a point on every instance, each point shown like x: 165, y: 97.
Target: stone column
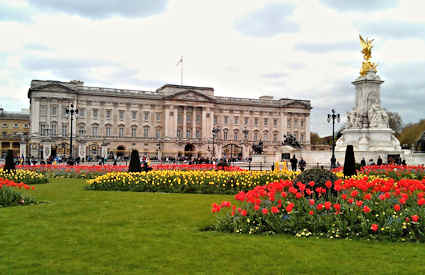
x: 82, y: 150
x: 35, y: 116
x: 184, y: 122
x: 104, y: 151
x: 23, y: 149
x: 166, y: 122
x: 194, y: 122
x: 307, y: 129
x: 204, y: 135
x: 46, y: 150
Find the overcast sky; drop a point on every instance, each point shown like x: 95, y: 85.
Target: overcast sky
x: 294, y: 49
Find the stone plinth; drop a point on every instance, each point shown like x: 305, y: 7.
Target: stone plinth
x: 368, y: 139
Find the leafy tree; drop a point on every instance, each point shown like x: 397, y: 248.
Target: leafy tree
x: 314, y: 138
x: 395, y: 122
x: 412, y: 132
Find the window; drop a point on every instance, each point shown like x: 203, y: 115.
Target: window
x: 43, y: 110
x: 198, y: 118
x: 289, y: 123
x: 198, y: 133
x: 236, y: 135
x: 275, y: 122
x: 16, y: 125
x: 64, y: 129
x: 266, y: 121
x: 188, y: 133
x: 158, y: 132
x: 53, y: 128
x: 255, y: 136
x: 158, y: 117
x: 53, y: 110
x: 246, y: 120
x: 256, y: 121
x: 81, y: 131
x: 179, y: 118
x: 94, y: 131
x: 26, y: 126
x: 295, y: 123
x: 146, y: 131
x: 275, y: 137
x: 121, y: 131
x: 95, y: 113
x: 133, y: 114
x: 43, y: 129
x: 302, y: 122
x: 226, y: 118
x: 108, y: 131
x: 121, y: 114
x: 146, y: 116
x: 302, y: 138
x: 236, y: 120
x: 108, y: 114
x: 179, y: 133
x: 133, y: 131
x: 81, y: 112
x: 225, y: 134
x: 265, y: 136
x: 245, y: 134
x: 188, y: 117
x: 215, y: 119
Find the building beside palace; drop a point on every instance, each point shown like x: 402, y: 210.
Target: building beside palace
x: 15, y: 128
x: 172, y: 121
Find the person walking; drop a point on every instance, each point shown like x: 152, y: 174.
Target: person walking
x: 294, y: 162
x: 302, y: 164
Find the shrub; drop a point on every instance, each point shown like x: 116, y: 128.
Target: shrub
x: 134, y: 165
x: 319, y: 176
x: 350, y: 162
x: 25, y: 176
x: 10, y: 162
x: 10, y: 197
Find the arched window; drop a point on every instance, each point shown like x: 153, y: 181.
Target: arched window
x: 146, y: 131
x: 133, y: 131
x: 265, y: 136
x: 236, y: 135
x: 225, y: 134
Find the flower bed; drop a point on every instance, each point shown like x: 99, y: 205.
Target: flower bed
x: 9, y: 194
x: 376, y: 209
x: 93, y: 171
x: 396, y: 172
x: 224, y: 182
x: 25, y: 176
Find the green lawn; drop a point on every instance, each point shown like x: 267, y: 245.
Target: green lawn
x: 96, y: 232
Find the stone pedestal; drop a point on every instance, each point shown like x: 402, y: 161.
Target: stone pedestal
x: 367, y: 126
x: 258, y: 158
x: 371, y: 139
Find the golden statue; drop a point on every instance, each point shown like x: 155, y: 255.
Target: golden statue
x: 367, y: 54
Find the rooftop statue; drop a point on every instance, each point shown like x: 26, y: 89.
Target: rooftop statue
x: 367, y: 54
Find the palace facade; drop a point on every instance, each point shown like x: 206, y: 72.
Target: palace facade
x: 15, y: 127
x: 172, y: 121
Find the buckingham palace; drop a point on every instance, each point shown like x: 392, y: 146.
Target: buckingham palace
x: 172, y: 121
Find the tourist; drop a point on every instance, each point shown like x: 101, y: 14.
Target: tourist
x: 302, y: 164
x: 363, y: 162
x: 294, y: 162
x: 379, y: 162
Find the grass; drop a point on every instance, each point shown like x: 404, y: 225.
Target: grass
x: 97, y: 232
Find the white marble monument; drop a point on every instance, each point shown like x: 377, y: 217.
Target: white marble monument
x: 367, y: 127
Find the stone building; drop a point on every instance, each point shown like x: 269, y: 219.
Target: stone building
x: 15, y: 128
x: 172, y: 121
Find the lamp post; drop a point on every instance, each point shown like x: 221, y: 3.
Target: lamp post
x: 245, y: 134
x: 71, y: 111
x: 332, y: 117
x: 215, y: 131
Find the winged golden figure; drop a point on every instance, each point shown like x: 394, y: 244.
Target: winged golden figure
x: 367, y: 54
x: 366, y: 47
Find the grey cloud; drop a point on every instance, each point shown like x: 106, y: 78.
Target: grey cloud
x: 327, y: 47
x: 99, y: 9
x: 11, y: 13
x: 394, y: 29
x: 86, y: 70
x: 269, y: 21
x: 274, y: 75
x: 361, y: 5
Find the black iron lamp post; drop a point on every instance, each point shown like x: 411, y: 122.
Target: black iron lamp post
x: 215, y: 131
x: 71, y: 112
x: 332, y: 117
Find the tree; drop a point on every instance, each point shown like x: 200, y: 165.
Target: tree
x: 395, y: 122
x: 10, y: 162
x: 134, y: 165
x: 411, y: 133
x: 314, y: 138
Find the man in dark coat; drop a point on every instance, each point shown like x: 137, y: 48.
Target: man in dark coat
x: 379, y: 161
x: 302, y: 164
x: 294, y: 162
